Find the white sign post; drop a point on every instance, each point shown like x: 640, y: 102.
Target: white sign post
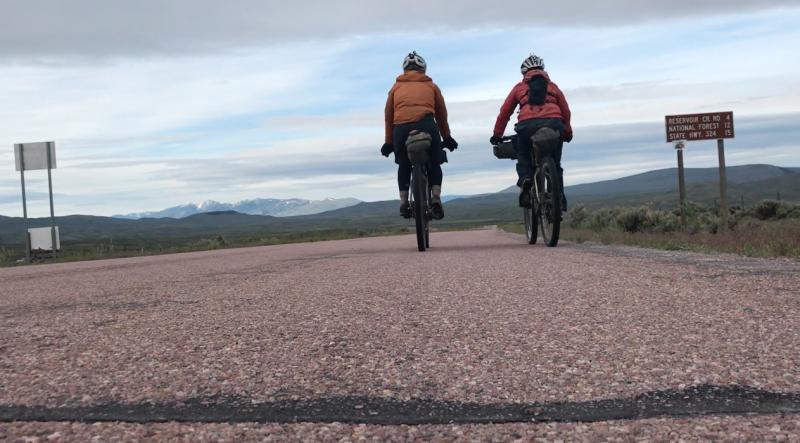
x: 30, y: 157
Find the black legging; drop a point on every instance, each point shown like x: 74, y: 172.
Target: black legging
x: 399, y: 136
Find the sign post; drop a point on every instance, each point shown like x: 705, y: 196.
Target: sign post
x: 679, y: 147
x: 723, y: 184
x: 33, y: 156
x: 711, y: 126
x: 24, y: 205
x: 50, y: 153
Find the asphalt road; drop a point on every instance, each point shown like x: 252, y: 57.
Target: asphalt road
x: 482, y: 337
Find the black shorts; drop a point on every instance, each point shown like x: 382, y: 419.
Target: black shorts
x: 400, y: 134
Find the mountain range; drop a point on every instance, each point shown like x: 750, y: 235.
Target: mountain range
x: 261, y: 206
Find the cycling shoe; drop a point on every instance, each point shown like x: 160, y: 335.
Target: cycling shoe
x: 437, y: 210
x: 525, y: 194
x: 405, y: 210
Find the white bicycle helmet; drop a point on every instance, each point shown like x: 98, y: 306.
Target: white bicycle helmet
x: 414, y: 61
x: 532, y: 62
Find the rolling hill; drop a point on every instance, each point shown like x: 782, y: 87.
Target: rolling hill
x: 665, y: 180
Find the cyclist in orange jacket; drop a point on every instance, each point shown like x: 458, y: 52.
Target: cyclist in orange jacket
x: 541, y: 104
x: 416, y: 103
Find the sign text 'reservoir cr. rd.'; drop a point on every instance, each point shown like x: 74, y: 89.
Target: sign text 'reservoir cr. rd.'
x: 693, y: 127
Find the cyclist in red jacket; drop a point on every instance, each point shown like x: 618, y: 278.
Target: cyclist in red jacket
x: 541, y: 104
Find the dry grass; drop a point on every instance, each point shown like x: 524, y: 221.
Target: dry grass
x: 766, y: 239
x: 747, y: 236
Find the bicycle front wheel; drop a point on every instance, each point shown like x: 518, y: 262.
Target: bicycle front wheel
x: 420, y: 206
x: 549, y: 201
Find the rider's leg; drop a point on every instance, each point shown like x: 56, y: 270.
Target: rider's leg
x: 435, y: 175
x: 403, y: 181
x: 525, y: 129
x: 399, y: 135
x: 557, y: 158
x: 524, y: 162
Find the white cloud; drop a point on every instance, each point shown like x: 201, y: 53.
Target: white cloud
x: 139, y: 98
x: 100, y: 27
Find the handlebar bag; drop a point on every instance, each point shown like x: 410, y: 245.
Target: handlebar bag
x: 505, y: 150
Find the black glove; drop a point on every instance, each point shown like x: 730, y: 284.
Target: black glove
x: 450, y: 144
x: 567, y: 136
x: 495, y: 140
x: 387, y: 149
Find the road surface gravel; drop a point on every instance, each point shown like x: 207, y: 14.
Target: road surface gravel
x: 481, y: 318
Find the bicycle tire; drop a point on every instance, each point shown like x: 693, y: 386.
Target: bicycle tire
x: 428, y: 213
x: 531, y: 225
x: 419, y: 206
x: 549, y: 202
x: 427, y: 236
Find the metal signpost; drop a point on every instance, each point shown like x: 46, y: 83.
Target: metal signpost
x: 679, y: 147
x: 29, y: 157
x: 693, y: 127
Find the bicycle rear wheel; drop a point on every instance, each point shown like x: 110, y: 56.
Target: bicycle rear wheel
x: 549, y: 199
x: 419, y: 190
x: 531, y: 224
x: 427, y: 235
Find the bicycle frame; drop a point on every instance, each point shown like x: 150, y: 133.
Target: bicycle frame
x: 418, y: 145
x: 422, y: 220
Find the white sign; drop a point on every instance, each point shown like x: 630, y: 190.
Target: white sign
x: 35, y: 155
x: 42, y: 239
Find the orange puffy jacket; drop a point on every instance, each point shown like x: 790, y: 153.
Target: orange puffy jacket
x: 413, y: 96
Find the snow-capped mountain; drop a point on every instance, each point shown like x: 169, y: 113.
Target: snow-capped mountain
x: 260, y: 206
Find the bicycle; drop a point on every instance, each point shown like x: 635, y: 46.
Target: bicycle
x: 417, y: 146
x: 544, y: 208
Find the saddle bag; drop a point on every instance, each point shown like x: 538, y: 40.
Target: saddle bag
x: 545, y: 142
x: 418, y: 144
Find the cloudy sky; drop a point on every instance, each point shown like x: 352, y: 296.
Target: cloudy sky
x: 159, y: 103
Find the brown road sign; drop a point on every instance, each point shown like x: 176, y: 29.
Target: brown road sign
x: 691, y: 127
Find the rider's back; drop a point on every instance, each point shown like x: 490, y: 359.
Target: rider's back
x: 414, y: 96
x: 552, y: 104
x: 549, y: 103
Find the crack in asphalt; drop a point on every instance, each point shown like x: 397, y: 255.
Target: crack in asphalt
x: 690, y: 402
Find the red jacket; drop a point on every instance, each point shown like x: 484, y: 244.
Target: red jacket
x: 413, y: 96
x: 555, y: 105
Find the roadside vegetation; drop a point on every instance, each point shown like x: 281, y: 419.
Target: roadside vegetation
x: 79, y: 251
x: 106, y: 249
x: 768, y: 229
